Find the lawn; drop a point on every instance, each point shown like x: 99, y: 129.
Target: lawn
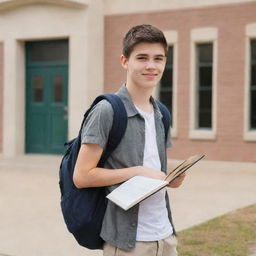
x: 233, y: 234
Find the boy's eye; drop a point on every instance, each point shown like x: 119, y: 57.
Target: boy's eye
x: 146, y: 58
x: 141, y: 58
x: 159, y: 58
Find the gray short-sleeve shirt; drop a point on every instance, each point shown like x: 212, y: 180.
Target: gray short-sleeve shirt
x: 119, y: 227
x: 98, y: 124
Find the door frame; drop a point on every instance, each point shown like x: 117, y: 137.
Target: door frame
x: 32, y: 64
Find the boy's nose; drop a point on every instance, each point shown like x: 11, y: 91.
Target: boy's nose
x: 150, y: 64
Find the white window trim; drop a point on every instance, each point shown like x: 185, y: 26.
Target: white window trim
x: 202, y: 35
x: 172, y: 40
x: 249, y: 135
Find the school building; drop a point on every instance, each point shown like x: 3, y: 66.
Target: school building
x: 57, y: 55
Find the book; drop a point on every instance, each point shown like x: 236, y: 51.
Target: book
x: 138, y: 188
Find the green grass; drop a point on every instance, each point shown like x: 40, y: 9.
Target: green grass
x: 229, y: 235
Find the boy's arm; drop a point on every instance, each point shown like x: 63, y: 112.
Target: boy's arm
x: 87, y: 174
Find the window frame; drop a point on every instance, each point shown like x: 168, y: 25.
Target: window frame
x: 172, y: 40
x: 250, y: 34
x: 201, y: 36
x: 201, y: 87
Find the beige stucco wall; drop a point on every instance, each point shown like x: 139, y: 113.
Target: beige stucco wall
x: 9, y: 4
x: 83, y: 26
x: 1, y: 96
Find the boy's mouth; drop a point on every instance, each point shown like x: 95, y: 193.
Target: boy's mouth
x: 149, y: 74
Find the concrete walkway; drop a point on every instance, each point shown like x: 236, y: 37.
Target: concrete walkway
x: 31, y: 223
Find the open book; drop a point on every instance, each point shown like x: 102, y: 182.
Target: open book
x: 139, y: 188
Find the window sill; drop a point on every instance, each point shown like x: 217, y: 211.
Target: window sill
x: 250, y: 135
x: 202, y: 134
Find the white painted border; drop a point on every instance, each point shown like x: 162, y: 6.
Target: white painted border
x: 250, y: 33
x: 10, y: 103
x: 202, y: 35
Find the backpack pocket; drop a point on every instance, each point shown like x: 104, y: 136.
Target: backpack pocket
x: 84, y: 208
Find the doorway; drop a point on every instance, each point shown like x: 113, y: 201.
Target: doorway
x: 46, y: 96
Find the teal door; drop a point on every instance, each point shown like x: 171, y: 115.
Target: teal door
x: 46, y: 96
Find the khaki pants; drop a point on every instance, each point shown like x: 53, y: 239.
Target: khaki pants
x: 165, y: 247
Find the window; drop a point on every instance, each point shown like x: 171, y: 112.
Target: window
x: 204, y: 85
x: 167, y: 91
x: 250, y: 84
x: 58, y: 88
x: 203, y: 77
x: 44, y: 51
x: 166, y: 84
x: 252, y: 91
x: 38, y: 89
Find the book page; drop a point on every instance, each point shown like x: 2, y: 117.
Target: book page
x: 185, y: 165
x: 134, y: 190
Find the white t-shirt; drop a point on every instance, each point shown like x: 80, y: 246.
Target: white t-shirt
x: 153, y: 221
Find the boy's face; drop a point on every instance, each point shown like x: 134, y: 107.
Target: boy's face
x: 145, y: 65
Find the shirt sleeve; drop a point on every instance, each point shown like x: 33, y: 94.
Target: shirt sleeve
x: 168, y: 141
x: 98, y: 124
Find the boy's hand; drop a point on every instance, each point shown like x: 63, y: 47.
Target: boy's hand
x: 177, y: 182
x: 147, y: 172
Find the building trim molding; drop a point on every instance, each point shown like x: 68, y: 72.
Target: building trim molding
x: 9, y: 4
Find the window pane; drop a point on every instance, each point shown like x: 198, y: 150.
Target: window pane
x: 205, y: 76
x: 38, y: 86
x: 205, y: 53
x: 58, y: 88
x: 205, y: 119
x: 253, y: 74
x: 166, y: 83
x: 204, y: 62
x: 49, y: 51
x: 253, y: 50
x: 166, y: 80
x: 170, y: 56
x: 253, y: 86
x: 253, y: 109
x: 205, y: 100
x: 166, y: 99
x: 205, y: 106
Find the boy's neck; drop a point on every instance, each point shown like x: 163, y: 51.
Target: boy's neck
x: 141, y: 97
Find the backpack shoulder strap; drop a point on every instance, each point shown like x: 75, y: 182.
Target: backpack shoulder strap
x: 166, y: 117
x: 118, y: 126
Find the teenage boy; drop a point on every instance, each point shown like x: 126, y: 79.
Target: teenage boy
x: 146, y: 229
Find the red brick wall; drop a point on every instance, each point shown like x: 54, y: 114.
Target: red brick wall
x: 230, y: 20
x: 1, y: 97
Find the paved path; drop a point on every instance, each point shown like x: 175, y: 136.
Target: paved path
x: 253, y: 249
x: 30, y: 219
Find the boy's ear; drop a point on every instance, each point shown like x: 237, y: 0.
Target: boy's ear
x: 124, y: 61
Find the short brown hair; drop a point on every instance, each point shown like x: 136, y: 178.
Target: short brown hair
x: 142, y: 34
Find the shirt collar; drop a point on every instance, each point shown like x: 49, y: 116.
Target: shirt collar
x: 129, y: 106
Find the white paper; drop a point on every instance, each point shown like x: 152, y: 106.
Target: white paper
x: 134, y: 190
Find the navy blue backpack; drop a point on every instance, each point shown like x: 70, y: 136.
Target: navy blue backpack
x: 83, y: 209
